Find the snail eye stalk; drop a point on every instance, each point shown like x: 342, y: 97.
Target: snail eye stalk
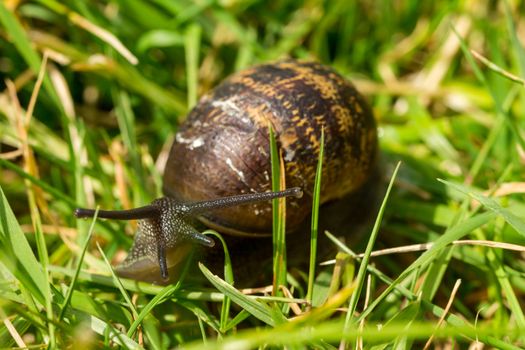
x: 165, y: 224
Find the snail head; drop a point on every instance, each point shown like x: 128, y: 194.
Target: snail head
x: 165, y: 224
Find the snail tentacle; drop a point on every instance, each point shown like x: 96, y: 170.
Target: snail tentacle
x: 194, y: 236
x: 161, y: 253
x: 204, y: 206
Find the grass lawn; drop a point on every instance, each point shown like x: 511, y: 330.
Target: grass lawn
x: 91, y: 93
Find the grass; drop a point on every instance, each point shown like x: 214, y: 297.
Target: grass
x: 446, y: 83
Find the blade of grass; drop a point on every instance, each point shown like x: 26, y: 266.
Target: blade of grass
x: 129, y: 303
x: 17, y: 254
x: 436, y: 310
x: 278, y: 206
x: 159, y: 298
x: 92, y: 28
x: 519, y: 226
x: 126, y: 122
x: 203, y: 331
x: 40, y: 183
x: 129, y: 76
x: 454, y: 233
x: 228, y: 277
x: 241, y: 316
x: 202, y: 315
x: 257, y: 309
x: 102, y: 328
x: 497, y: 69
x: 360, y: 279
x: 24, y: 46
x: 12, y: 330
x: 483, y: 80
x: 435, y: 274
x: 159, y: 38
x: 118, y: 283
x: 315, y: 220
x: 69, y: 293
x: 332, y: 331
x: 35, y: 197
x: 517, y: 223
x: 519, y: 51
x: 192, y: 40
x: 44, y: 262
x: 408, y: 316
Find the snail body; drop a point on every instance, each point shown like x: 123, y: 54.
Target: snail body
x: 220, y: 159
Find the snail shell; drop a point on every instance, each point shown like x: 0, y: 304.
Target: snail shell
x: 222, y: 149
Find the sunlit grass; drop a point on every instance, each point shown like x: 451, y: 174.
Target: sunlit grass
x: 445, y: 81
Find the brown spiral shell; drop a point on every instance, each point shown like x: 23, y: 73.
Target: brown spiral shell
x: 222, y: 149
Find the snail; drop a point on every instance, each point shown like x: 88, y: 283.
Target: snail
x: 220, y: 159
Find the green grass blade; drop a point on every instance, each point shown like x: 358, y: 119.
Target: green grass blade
x: 201, y: 314
x: 513, y: 220
x: 360, y: 279
x: 102, y: 328
x: 241, y: 316
x: 126, y: 122
x: 519, y: 51
x: 192, y: 40
x: 228, y: 277
x: 164, y: 294
x: 454, y: 233
x: 159, y: 38
x: 519, y: 225
x: 257, y: 309
x: 25, y: 47
x: 315, y: 221
x: 40, y: 183
x: 332, y: 331
x: 118, y: 283
x: 69, y: 293
x: 483, y: 80
x: 44, y: 261
x: 17, y: 255
x: 279, y: 229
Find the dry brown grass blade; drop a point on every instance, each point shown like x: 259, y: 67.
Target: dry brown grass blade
x: 12, y: 330
x: 445, y: 312
x: 116, y: 152
x: 66, y: 100
x: 260, y: 290
x: 399, y: 51
x: 22, y: 123
x: 493, y: 66
x: 34, y: 94
x: 104, y: 35
x: 507, y: 188
x: 341, y: 260
x: 294, y: 306
x: 52, y: 230
x: 427, y: 246
x: 367, y: 300
x: 12, y: 154
x: 23, y: 79
x: 432, y: 76
x: 96, y: 30
x: 29, y: 157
